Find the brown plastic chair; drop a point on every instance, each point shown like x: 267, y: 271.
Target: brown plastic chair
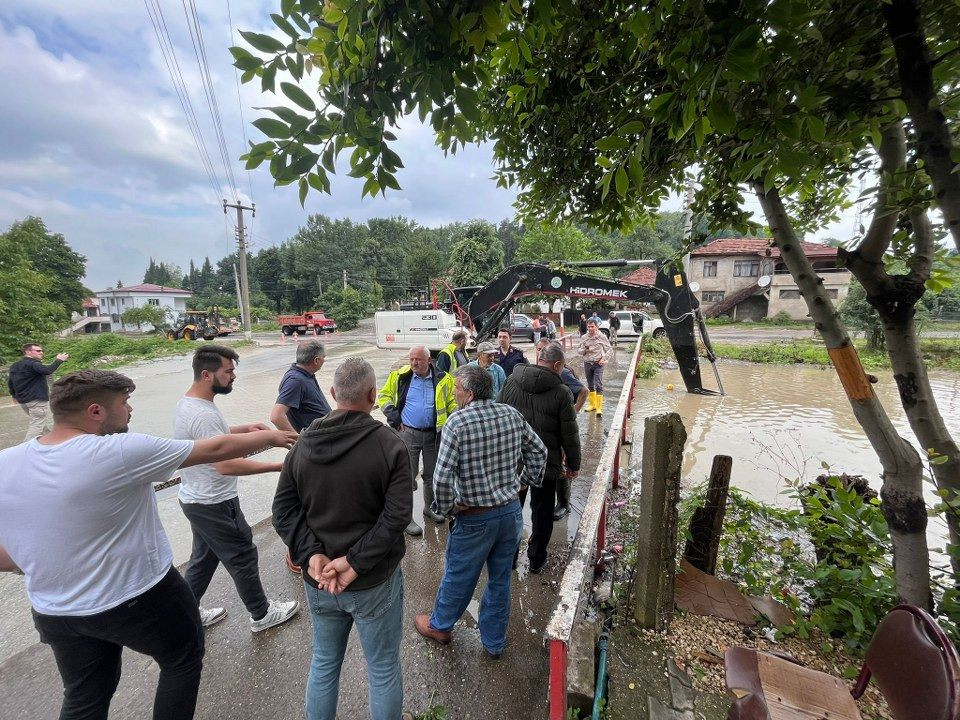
x: 910, y: 658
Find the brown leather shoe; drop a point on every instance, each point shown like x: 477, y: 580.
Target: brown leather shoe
x: 423, y: 626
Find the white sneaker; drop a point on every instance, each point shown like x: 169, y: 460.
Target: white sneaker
x: 211, y: 616
x: 277, y: 613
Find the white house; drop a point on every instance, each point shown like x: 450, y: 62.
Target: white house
x: 115, y: 302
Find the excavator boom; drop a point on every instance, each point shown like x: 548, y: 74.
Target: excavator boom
x: 679, y: 310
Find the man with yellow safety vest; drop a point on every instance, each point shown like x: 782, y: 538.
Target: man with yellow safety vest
x: 453, y: 355
x: 416, y: 400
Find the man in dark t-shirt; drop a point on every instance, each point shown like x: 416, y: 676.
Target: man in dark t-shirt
x: 300, y: 400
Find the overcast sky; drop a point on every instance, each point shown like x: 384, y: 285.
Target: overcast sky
x: 94, y: 141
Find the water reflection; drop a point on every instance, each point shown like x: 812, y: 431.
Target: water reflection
x: 781, y: 422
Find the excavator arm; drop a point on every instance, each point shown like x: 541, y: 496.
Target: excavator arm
x: 490, y: 305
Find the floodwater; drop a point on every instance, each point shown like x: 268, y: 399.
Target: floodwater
x: 781, y: 422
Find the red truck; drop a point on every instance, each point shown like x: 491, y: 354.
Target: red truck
x: 313, y: 321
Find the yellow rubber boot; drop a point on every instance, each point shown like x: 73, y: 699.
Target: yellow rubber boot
x: 590, y: 401
x: 599, y: 403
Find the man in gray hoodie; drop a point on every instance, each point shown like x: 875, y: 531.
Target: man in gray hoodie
x: 343, y: 500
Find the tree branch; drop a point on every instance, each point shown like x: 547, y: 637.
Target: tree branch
x: 921, y: 262
x: 893, y: 153
x: 933, y: 140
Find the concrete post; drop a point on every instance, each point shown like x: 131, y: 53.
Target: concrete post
x: 663, y: 441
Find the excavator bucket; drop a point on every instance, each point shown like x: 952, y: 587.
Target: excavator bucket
x: 679, y: 314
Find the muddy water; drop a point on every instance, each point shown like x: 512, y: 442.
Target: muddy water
x: 780, y: 422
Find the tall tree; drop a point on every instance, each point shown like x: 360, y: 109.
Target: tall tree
x: 551, y: 243
x: 597, y: 110
x: 54, y: 258
x: 26, y: 313
x: 477, y: 255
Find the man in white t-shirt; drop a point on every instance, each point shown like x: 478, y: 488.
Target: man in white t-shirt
x: 79, y: 519
x: 208, y: 496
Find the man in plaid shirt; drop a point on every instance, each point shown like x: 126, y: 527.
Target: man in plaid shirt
x: 477, y: 480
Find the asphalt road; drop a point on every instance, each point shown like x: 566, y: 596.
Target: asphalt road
x: 256, y: 676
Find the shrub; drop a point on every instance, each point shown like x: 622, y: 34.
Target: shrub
x: 770, y: 550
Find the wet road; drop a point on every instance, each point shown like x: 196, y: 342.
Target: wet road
x: 255, y: 676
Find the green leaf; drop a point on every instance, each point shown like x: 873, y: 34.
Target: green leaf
x: 285, y: 26
x: 303, y: 191
x: 272, y: 128
x: 298, y: 96
x: 304, y: 163
x: 632, y: 127
x: 286, y: 7
x: 722, y: 117
x: 371, y: 187
x: 622, y: 181
x: 816, y: 128
x: 388, y: 180
x: 263, y: 43
x: 612, y: 142
x: 660, y: 100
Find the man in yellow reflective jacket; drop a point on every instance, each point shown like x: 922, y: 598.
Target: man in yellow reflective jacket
x: 416, y: 400
x: 453, y: 355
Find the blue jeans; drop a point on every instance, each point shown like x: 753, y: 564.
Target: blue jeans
x: 378, y: 615
x: 489, y: 538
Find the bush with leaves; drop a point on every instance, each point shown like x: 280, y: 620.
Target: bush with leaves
x: 348, y: 306
x: 770, y: 550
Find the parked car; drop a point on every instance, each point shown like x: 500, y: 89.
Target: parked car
x: 633, y: 324
x: 521, y: 326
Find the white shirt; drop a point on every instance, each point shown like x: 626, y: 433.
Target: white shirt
x: 80, y: 518
x: 196, y: 419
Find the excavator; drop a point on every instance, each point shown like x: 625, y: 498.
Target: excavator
x: 484, y: 309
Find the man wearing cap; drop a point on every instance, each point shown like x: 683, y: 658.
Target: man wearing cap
x: 485, y: 352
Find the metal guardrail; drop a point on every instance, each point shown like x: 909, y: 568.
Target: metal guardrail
x: 588, y: 545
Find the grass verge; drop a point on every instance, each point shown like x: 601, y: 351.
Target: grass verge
x: 108, y: 350
x: 938, y: 353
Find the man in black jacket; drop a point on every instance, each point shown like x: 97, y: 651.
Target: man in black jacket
x: 27, y: 382
x: 343, y: 500
x: 547, y: 404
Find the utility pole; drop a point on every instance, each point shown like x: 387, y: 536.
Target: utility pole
x: 344, y: 279
x: 236, y: 279
x: 687, y: 224
x: 242, y: 255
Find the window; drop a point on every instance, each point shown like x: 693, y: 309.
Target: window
x: 746, y: 268
x: 789, y: 294
x: 153, y: 301
x: 712, y: 296
x: 709, y: 268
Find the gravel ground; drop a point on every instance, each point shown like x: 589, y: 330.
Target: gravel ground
x: 698, y: 644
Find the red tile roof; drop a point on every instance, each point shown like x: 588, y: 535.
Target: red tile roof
x: 759, y: 246
x: 149, y: 288
x: 90, y: 303
x: 641, y: 276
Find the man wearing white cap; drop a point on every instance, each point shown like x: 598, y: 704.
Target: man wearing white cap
x: 485, y: 354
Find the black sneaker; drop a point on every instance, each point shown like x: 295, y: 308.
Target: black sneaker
x: 560, y: 512
x: 537, y: 569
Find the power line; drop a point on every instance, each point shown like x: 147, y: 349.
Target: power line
x: 199, y: 51
x: 168, y: 52
x: 236, y: 77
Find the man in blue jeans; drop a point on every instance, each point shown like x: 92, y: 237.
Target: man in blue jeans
x: 477, y: 477
x: 343, y: 500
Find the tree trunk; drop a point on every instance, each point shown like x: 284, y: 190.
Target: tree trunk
x: 895, y: 298
x: 903, y: 505
x: 934, y: 143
